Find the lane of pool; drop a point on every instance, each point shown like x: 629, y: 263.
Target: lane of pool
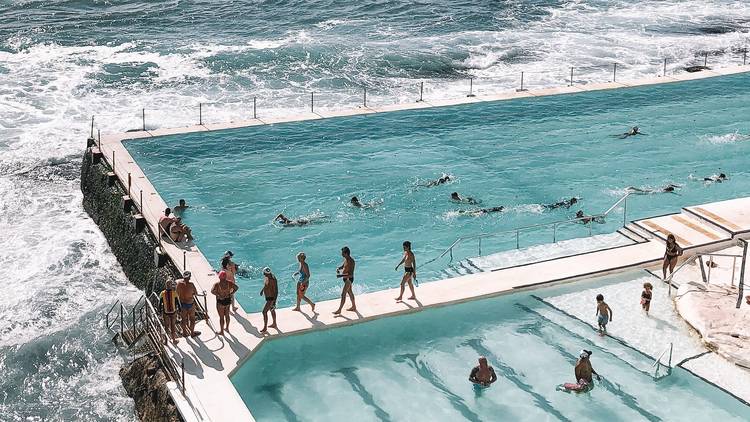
x: 518, y: 154
x: 365, y: 372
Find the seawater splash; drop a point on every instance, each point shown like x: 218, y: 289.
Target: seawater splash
x: 728, y: 138
x: 62, y: 62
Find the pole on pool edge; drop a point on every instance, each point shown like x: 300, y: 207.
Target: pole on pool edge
x: 664, y: 73
x: 200, y: 114
x: 255, y: 114
x: 471, y: 87
x: 614, y: 73
x: 312, y: 102
x: 571, y: 75
x: 143, y: 118
x: 364, y: 96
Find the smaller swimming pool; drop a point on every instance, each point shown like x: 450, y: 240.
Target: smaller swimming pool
x: 415, y: 367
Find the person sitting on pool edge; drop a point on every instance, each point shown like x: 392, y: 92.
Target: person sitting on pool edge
x: 483, y: 375
x: 179, y: 232
x: 165, y: 221
x: 455, y: 197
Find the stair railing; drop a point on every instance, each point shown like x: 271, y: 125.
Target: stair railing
x: 658, y: 363
x: 586, y: 220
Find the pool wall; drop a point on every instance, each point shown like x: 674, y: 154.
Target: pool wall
x: 210, y: 360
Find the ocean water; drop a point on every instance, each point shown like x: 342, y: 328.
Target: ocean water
x: 415, y: 367
x: 519, y: 154
x: 63, y: 61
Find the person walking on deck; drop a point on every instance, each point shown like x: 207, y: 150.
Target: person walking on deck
x: 186, y: 291
x: 671, y: 254
x: 223, y: 290
x: 169, y: 303
x: 271, y: 291
x: 346, y: 272
x: 231, y: 269
x: 303, y: 282
x: 410, y: 271
x: 603, y: 314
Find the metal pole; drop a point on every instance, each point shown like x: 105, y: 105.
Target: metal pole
x: 471, y: 88
x: 92, y: 125
x: 665, y: 67
x: 614, y: 74
x: 480, y: 246
x: 590, y: 227
x: 99, y: 133
x: 705, y: 60
x: 554, y: 233
x: 182, y: 381
x: 734, y: 268
x: 421, y: 91
x: 312, y: 102
x: 521, y: 82
x: 741, y: 284
x: 184, y: 260
x: 571, y: 75
x: 671, y: 345
x: 703, y: 270
x: 744, y: 57
x: 205, y: 304
x: 255, y: 115
x: 122, y: 320
x: 143, y: 118
x: 517, y: 243
x: 129, y: 183
x: 625, y: 212
x: 364, y: 96
x: 113, y: 162
x: 200, y: 114
x: 140, y: 203
x: 710, y: 265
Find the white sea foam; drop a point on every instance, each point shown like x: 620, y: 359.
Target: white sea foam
x: 728, y: 138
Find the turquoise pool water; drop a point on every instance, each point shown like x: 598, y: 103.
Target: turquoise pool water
x: 415, y: 367
x: 518, y: 154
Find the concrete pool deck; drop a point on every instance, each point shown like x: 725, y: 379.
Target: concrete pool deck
x: 211, y: 360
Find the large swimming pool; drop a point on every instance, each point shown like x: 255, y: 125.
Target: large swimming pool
x: 416, y: 367
x: 519, y: 154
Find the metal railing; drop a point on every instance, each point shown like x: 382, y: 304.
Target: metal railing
x: 586, y: 220
x: 706, y: 274
x: 310, y: 99
x: 658, y: 363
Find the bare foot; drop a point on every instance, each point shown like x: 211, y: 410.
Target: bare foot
x: 352, y: 309
x: 175, y: 341
x: 296, y: 309
x: 273, y: 326
x: 195, y: 334
x: 221, y: 333
x: 264, y: 331
x: 398, y: 299
x: 235, y: 309
x: 312, y: 305
x: 337, y: 312
x: 413, y: 298
x: 226, y: 329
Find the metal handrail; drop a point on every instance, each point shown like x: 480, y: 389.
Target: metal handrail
x: 699, y: 256
x: 586, y: 219
x: 106, y: 317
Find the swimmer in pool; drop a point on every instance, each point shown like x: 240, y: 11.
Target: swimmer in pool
x: 445, y: 178
x: 583, y: 370
x: 301, y: 221
x: 670, y: 188
x: 455, y: 197
x: 356, y: 203
x: 567, y: 203
x: 483, y: 374
x: 716, y: 179
x: 635, y: 130
x: 586, y: 219
x: 482, y: 211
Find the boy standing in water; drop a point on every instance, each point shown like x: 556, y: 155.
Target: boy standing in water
x: 603, y: 314
x: 646, y: 297
x: 410, y: 271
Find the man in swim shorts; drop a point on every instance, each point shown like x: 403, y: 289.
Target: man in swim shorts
x: 410, y: 271
x: 271, y: 291
x: 186, y: 291
x: 483, y: 374
x: 346, y: 272
x: 169, y: 303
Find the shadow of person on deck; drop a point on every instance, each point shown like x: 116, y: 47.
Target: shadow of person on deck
x: 246, y: 325
x: 237, y: 347
x: 205, y: 354
x: 192, y: 366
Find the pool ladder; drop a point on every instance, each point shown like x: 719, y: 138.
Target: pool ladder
x: 658, y: 362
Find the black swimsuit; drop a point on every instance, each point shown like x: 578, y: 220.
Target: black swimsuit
x: 409, y: 270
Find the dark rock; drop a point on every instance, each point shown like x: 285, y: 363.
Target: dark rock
x: 693, y: 69
x: 145, y: 382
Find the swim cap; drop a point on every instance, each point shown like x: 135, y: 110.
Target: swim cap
x: 584, y: 354
x: 266, y: 270
x: 301, y: 255
x: 186, y: 274
x: 222, y: 275
x: 228, y: 253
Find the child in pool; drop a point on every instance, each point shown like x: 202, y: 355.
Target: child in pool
x: 603, y: 314
x: 646, y: 297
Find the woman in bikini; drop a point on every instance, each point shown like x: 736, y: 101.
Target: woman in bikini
x: 671, y: 254
x: 304, y: 281
x: 223, y: 290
